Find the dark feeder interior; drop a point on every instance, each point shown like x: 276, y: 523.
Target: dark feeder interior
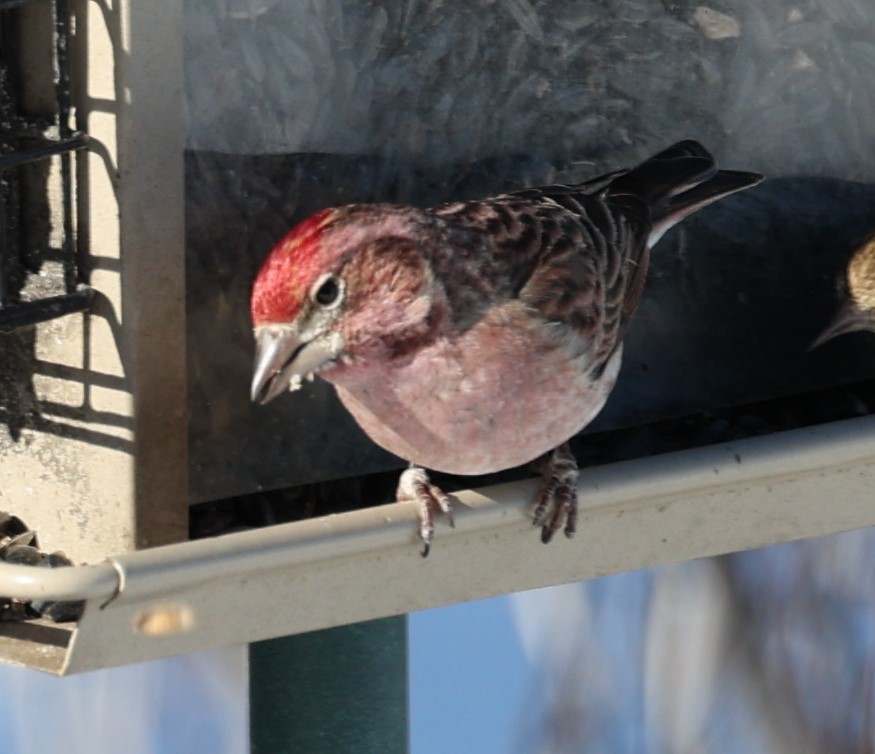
x: 428, y: 103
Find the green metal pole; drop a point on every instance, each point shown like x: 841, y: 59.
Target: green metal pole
x: 333, y: 691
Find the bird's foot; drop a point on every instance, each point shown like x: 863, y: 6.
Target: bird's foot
x: 557, y: 502
x: 414, y: 486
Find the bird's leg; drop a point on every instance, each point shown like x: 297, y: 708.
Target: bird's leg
x: 557, y: 502
x: 414, y: 486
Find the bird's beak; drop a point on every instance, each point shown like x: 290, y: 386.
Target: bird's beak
x: 848, y: 319
x: 283, y: 358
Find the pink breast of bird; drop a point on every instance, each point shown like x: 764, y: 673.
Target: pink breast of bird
x: 498, y: 395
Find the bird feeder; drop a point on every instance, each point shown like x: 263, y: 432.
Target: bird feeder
x: 149, y: 161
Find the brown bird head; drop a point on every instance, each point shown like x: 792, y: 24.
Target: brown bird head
x: 346, y: 286
x: 858, y: 312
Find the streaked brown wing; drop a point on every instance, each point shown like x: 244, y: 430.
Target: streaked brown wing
x: 579, y: 260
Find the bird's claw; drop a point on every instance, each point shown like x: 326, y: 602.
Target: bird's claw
x: 414, y: 486
x: 557, y: 502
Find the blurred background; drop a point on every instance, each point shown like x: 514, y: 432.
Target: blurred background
x: 765, y: 651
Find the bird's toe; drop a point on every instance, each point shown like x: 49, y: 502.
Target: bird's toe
x: 556, y: 504
x: 414, y: 486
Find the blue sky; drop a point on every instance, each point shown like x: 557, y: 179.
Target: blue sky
x: 468, y: 679
x: 190, y: 705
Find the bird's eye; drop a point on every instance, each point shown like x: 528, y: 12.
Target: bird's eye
x: 327, y: 291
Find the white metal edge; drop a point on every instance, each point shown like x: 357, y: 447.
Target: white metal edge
x: 171, y: 568
x: 88, y: 582
x: 362, y: 565
x: 148, y: 573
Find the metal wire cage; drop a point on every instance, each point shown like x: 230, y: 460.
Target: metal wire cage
x: 28, y: 144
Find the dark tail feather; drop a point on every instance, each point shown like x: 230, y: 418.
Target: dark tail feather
x: 666, y: 174
x: 677, y: 182
x: 723, y: 183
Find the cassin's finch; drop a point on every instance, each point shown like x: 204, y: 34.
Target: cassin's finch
x: 473, y: 337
